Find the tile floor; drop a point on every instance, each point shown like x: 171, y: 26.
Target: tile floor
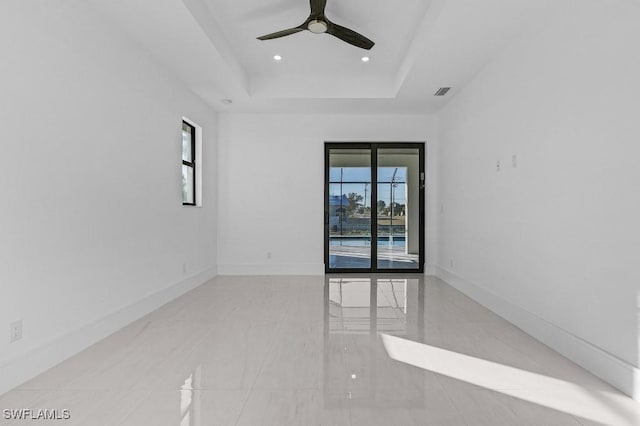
x: 369, y: 350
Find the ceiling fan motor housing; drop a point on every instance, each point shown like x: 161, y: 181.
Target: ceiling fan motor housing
x: 317, y: 26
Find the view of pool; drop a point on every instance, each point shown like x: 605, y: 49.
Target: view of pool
x: 365, y: 241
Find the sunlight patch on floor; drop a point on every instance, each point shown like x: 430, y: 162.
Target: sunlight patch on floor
x: 595, y: 405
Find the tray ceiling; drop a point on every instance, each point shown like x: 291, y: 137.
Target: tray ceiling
x: 421, y: 45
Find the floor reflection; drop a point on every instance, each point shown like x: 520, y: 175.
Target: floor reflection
x: 356, y: 366
x: 190, y: 401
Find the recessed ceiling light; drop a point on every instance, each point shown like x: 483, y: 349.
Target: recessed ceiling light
x: 277, y: 57
x: 365, y: 59
x: 226, y: 101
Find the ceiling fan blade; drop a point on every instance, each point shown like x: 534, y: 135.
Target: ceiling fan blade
x: 350, y: 36
x: 281, y: 33
x: 317, y: 8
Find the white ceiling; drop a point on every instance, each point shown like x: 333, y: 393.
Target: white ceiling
x: 421, y: 45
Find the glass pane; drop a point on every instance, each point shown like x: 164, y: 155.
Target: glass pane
x: 187, y: 154
x: 386, y: 174
x: 350, y: 208
x: 397, y: 208
x: 187, y: 185
x: 350, y: 174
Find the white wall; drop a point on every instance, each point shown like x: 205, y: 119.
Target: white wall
x: 271, y: 185
x: 92, y: 230
x: 554, y: 243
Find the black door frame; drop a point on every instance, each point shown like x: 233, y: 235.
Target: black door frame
x: 373, y: 150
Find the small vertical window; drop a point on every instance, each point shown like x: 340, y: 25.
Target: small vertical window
x: 188, y: 164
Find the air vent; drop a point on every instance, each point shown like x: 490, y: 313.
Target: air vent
x: 442, y: 91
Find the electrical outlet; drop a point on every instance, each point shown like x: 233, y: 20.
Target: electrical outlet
x: 497, y: 166
x: 451, y: 263
x: 514, y: 161
x: 268, y: 255
x: 15, y: 330
x: 184, y: 268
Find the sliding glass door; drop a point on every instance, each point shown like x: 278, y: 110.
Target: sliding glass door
x: 374, y: 207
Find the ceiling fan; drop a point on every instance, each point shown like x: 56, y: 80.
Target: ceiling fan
x: 318, y: 23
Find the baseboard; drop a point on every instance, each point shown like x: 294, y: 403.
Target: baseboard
x: 271, y: 269
x: 17, y: 371
x: 430, y: 270
x: 606, y: 366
